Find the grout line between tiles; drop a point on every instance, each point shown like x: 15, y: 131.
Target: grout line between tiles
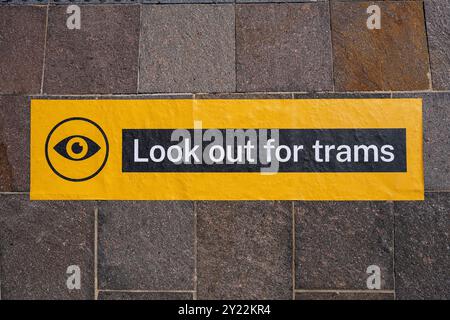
x: 195, y: 252
x: 332, y: 47
x: 430, y: 78
x: 172, y: 94
x: 13, y: 192
x: 293, y: 250
x: 393, y: 249
x: 96, y: 253
x: 1, y: 263
x: 139, y: 49
x: 235, y: 47
x: 342, y: 291
x: 146, y: 291
x: 44, y: 60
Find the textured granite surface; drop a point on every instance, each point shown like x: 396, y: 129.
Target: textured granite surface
x: 337, y: 241
x: 437, y: 13
x: 38, y: 241
x: 101, y: 57
x: 394, y: 57
x: 422, y: 246
x: 283, y: 47
x: 187, y: 48
x: 14, y: 143
x: 244, y: 250
x: 250, y: 49
x: 145, y: 245
x: 22, y: 40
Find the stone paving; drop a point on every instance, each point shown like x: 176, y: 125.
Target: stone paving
x: 224, y: 250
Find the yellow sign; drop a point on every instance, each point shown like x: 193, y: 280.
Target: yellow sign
x: 313, y: 149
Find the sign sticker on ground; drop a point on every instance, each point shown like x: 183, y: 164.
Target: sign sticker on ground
x: 318, y: 149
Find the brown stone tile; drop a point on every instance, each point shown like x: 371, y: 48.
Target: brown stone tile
x: 101, y: 57
x: 187, y: 48
x: 146, y: 245
x: 22, y: 38
x: 342, y: 295
x: 337, y: 241
x: 38, y: 241
x: 244, y: 250
x: 283, y: 47
x: 122, y: 295
x: 14, y: 143
x: 422, y: 247
x: 394, y: 57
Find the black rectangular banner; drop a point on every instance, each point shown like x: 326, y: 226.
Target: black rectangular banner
x: 264, y: 150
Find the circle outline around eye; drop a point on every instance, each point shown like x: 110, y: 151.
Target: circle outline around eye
x: 48, y: 140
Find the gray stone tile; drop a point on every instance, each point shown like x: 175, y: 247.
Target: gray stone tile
x: 244, y: 250
x: 283, y: 47
x: 38, y: 241
x: 68, y: 2
x: 343, y: 296
x: 272, y: 1
x: 22, y: 39
x: 244, y: 96
x: 186, y: 1
x: 101, y: 57
x: 14, y: 143
x: 187, y: 48
x: 337, y: 241
x: 118, y: 295
x: 342, y: 95
x: 436, y: 138
x: 24, y: 2
x: 146, y: 245
x: 393, y: 58
x: 422, y: 247
x: 437, y: 13
x: 156, y: 96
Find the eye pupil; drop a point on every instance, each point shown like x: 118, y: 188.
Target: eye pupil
x: 77, y: 148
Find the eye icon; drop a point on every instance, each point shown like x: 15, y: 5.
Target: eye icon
x: 77, y: 148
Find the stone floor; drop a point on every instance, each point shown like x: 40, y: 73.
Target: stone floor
x: 224, y: 250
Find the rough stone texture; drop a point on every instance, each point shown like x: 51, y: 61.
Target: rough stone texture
x: 436, y: 119
x: 14, y: 143
x: 283, y: 47
x: 114, y: 295
x: 438, y: 30
x: 436, y: 138
x: 146, y: 245
x: 343, y: 296
x: 43, y: 2
x: 422, y: 246
x: 187, y: 48
x: 262, y: 1
x: 38, y: 241
x: 101, y: 57
x: 22, y: 38
x: 68, y: 2
x: 337, y: 241
x: 392, y: 58
x: 187, y: 1
x: 254, y: 95
x: 341, y: 95
x: 244, y: 250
